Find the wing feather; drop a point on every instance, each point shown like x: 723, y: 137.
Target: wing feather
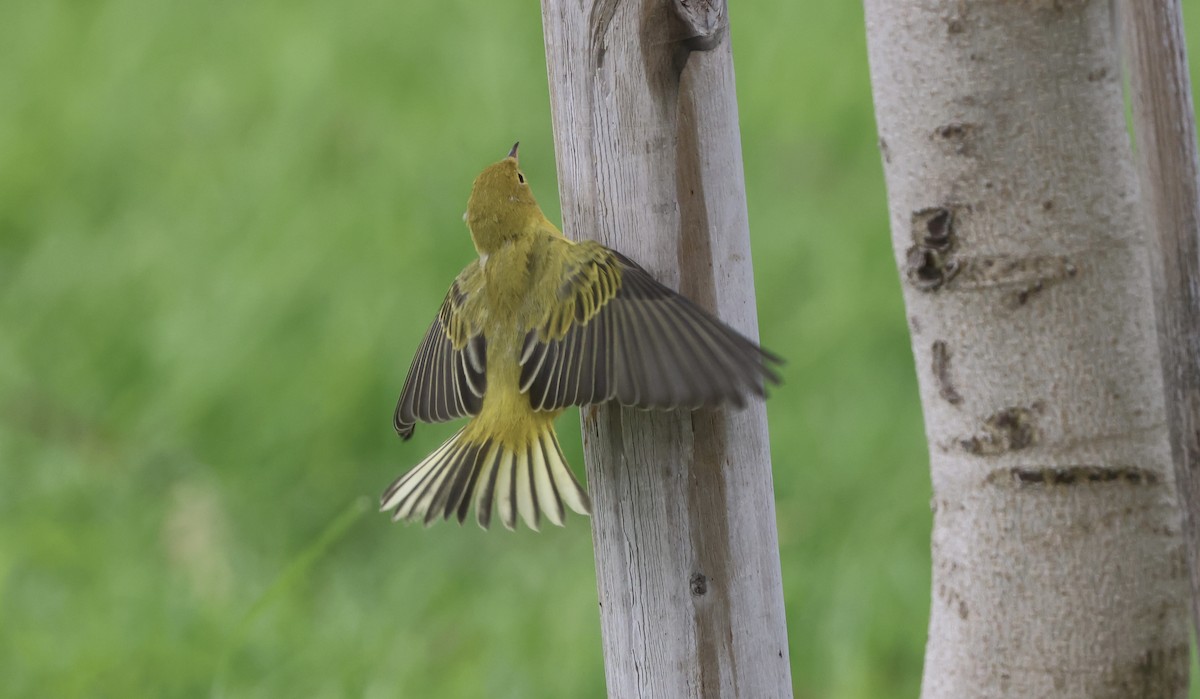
x: 447, y: 379
x: 618, y: 333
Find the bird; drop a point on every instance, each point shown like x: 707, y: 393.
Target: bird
x: 535, y: 324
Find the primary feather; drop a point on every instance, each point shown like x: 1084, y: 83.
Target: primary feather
x: 537, y: 324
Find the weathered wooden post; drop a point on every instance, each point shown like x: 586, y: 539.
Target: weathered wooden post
x: 649, y: 162
x: 1163, y: 120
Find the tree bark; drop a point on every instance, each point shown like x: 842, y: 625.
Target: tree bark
x: 1164, y: 124
x: 1058, y: 568
x: 649, y: 163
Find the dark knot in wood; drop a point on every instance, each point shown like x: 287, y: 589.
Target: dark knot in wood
x: 704, y: 23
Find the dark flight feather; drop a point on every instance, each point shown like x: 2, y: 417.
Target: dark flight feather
x: 620, y: 334
x: 447, y: 378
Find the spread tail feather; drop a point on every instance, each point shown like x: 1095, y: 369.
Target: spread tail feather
x: 529, y: 480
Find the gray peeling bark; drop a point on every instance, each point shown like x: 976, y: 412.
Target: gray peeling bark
x: 1164, y: 123
x: 649, y: 162
x: 1058, y: 568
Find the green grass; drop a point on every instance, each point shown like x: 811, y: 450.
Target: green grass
x: 223, y: 227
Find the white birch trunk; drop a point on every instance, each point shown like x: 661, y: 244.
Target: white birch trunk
x: 1170, y: 183
x: 1058, y: 569
x: 649, y: 163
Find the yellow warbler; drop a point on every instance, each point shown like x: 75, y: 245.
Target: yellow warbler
x: 536, y: 324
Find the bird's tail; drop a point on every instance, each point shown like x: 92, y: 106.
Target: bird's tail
x: 530, y: 478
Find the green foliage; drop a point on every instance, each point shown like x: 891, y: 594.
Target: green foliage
x: 224, y: 227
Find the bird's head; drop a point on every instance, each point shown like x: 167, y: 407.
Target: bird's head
x: 501, y: 206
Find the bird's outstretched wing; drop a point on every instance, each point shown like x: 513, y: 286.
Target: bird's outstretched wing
x: 447, y: 379
x: 616, y: 332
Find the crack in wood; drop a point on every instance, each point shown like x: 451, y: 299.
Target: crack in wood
x: 1027, y: 276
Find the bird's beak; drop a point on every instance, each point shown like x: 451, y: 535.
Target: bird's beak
x: 513, y: 153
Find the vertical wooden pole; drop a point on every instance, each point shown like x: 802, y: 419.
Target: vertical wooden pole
x: 1164, y: 124
x: 649, y: 163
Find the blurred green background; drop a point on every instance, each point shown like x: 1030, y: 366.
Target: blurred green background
x: 224, y: 227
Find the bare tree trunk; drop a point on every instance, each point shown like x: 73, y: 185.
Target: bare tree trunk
x: 1057, y: 562
x: 1166, y: 135
x: 649, y: 162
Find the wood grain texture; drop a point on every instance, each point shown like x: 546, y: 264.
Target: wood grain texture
x: 1058, y: 567
x: 1165, y: 129
x: 649, y: 163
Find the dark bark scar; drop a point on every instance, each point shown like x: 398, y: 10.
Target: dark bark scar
x: 941, y: 373
x: 1025, y: 476
x: 1010, y: 429
x: 929, y: 264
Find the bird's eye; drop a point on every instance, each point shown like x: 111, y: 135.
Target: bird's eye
x: 521, y: 177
